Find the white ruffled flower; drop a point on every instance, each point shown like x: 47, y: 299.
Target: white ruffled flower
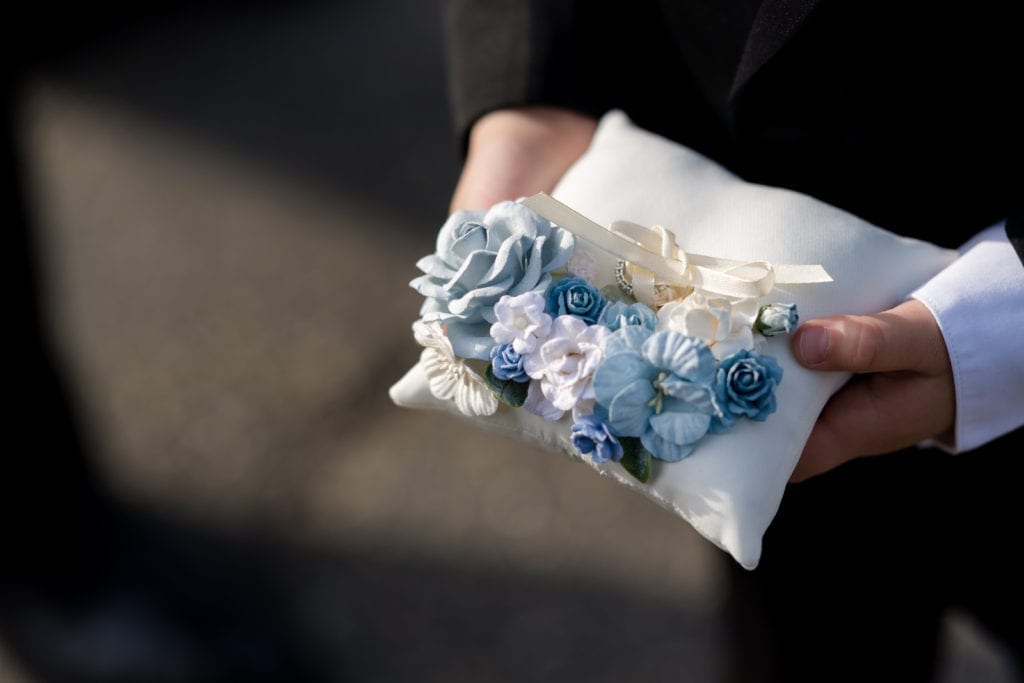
x: 725, y: 326
x: 563, y: 368
x: 449, y: 377
x: 521, y: 322
x: 538, y: 405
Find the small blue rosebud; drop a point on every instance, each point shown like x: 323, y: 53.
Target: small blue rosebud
x: 775, y: 319
x: 507, y: 364
x: 620, y: 314
x: 591, y: 436
x: 576, y: 297
x: 745, y: 385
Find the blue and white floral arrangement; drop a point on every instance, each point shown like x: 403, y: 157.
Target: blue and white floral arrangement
x: 645, y: 368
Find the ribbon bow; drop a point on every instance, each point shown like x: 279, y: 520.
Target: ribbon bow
x: 654, y: 261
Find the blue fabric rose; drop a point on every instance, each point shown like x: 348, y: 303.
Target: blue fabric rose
x: 745, y: 386
x: 775, y: 319
x: 576, y: 297
x: 591, y: 436
x: 481, y: 257
x: 507, y: 364
x: 657, y: 386
x: 621, y: 314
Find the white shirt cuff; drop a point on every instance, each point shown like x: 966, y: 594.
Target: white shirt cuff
x: 978, y: 302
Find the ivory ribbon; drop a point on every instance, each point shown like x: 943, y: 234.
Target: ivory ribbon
x: 654, y: 259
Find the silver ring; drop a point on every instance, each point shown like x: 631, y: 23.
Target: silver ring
x: 620, y: 277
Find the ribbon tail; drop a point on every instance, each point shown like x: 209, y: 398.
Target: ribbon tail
x: 665, y: 264
x: 801, y: 275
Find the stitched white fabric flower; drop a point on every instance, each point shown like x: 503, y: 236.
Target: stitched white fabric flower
x: 564, y: 366
x: 449, y: 377
x: 522, y: 322
x: 725, y: 326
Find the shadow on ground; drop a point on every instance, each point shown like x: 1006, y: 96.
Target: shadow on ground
x: 230, y: 201
x: 323, y: 614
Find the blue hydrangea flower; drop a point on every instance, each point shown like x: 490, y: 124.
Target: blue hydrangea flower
x: 745, y: 386
x: 621, y: 314
x: 507, y: 364
x: 591, y: 436
x: 576, y: 297
x: 481, y: 257
x: 775, y: 319
x: 657, y: 386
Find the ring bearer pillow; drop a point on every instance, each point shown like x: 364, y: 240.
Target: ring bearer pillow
x: 637, y: 323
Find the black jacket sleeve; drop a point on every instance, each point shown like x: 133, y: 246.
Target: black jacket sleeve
x: 1015, y: 231
x: 504, y: 53
x: 586, y: 56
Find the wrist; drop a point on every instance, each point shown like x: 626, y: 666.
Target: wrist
x: 518, y: 152
x: 549, y: 131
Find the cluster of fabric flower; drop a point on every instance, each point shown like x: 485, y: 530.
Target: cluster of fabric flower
x: 504, y: 293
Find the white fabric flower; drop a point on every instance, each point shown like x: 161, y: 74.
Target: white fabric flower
x: 726, y: 326
x: 563, y: 366
x: 521, y: 322
x: 537, y: 404
x: 449, y: 377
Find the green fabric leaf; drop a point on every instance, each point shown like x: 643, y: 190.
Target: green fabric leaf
x: 635, y: 459
x: 507, y: 391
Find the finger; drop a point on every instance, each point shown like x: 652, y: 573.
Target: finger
x: 903, y: 338
x: 876, y: 414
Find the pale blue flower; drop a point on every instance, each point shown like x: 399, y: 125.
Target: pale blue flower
x: 745, y: 386
x: 507, y: 364
x: 481, y: 257
x: 775, y: 319
x: 576, y: 297
x: 621, y: 314
x: 590, y: 435
x: 657, y: 386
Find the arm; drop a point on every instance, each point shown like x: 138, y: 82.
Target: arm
x: 517, y: 152
x: 504, y: 54
x: 519, y: 69
x: 519, y: 94
x: 979, y: 305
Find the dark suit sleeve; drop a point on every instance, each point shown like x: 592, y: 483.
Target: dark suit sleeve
x: 505, y: 53
x: 1015, y: 231
x: 584, y: 56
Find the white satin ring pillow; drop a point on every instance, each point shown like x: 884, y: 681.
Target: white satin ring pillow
x: 730, y: 488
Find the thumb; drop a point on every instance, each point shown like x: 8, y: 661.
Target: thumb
x: 903, y: 338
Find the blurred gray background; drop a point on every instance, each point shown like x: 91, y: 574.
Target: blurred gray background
x: 231, y: 200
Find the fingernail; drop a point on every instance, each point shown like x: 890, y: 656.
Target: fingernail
x: 814, y: 345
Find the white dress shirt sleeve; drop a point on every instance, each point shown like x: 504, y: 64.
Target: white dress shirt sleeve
x: 978, y: 302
